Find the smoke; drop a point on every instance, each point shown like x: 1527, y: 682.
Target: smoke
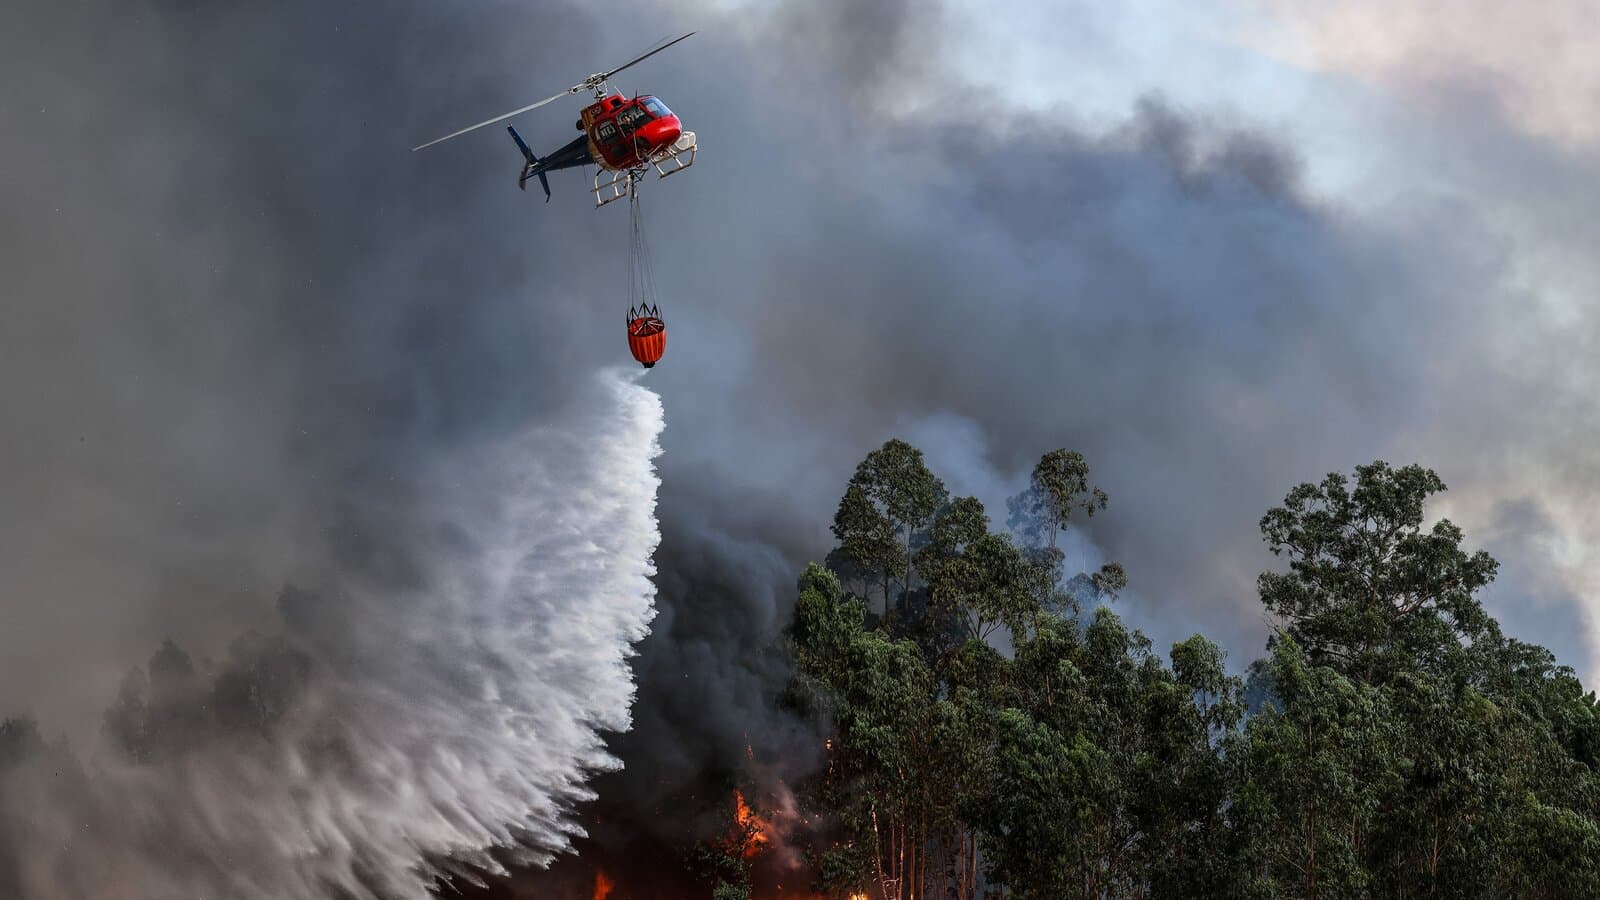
x: 1479, y: 58
x: 389, y: 734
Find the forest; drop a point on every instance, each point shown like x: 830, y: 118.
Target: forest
x: 995, y: 730
x: 990, y: 728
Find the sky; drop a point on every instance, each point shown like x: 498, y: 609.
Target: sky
x: 1410, y: 280
x: 1220, y: 247
x: 1457, y: 133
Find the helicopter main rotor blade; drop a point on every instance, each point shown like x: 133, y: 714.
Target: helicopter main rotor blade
x: 593, y: 81
x: 644, y: 57
x: 515, y: 112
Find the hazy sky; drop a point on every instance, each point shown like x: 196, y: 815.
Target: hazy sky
x: 1461, y: 134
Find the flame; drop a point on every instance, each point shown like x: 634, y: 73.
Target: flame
x: 750, y: 824
x: 602, y: 886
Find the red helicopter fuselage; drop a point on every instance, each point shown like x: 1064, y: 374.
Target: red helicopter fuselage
x: 628, y: 133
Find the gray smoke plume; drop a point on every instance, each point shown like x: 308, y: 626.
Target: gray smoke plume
x: 389, y: 735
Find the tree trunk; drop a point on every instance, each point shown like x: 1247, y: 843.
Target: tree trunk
x: 908, y: 560
x: 1311, y: 827
x: 888, y: 605
x: 1311, y: 852
x: 922, y: 866
x: 949, y: 880
x: 877, y: 857
x: 962, y: 892
x: 1433, y: 861
x: 894, y: 873
x: 900, y: 860
x: 913, y: 865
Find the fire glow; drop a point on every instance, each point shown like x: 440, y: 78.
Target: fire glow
x: 754, y: 832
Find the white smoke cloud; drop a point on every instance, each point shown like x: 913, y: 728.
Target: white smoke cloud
x: 463, y: 714
x: 1527, y: 62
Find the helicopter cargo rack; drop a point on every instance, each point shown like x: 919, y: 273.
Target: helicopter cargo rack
x: 611, y: 185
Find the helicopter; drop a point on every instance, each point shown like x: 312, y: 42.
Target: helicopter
x: 624, y: 137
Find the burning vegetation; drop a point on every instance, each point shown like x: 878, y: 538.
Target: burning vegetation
x: 752, y: 833
x: 758, y: 856
x: 1392, y: 743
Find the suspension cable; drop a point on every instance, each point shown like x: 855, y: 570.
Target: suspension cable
x: 641, y: 276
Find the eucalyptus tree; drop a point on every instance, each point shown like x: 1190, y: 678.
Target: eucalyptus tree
x: 889, y: 499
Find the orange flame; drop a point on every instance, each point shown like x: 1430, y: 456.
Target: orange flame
x: 754, y: 831
x: 602, y: 886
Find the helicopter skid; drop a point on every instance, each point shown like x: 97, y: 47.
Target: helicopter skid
x: 611, y: 185
x: 678, y: 156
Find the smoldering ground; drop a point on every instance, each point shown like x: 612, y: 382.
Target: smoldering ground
x: 243, y: 321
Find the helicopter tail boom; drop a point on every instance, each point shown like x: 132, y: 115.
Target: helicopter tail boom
x: 571, y: 156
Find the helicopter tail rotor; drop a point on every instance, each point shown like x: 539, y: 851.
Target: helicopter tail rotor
x: 532, y: 168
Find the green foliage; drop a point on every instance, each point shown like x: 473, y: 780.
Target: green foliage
x: 1396, y: 745
x: 1368, y: 590
x: 843, y: 869
x: 1307, y: 776
x: 867, y: 537
x: 890, y: 497
x: 1109, y: 580
x: 980, y: 576
x: 1059, y: 485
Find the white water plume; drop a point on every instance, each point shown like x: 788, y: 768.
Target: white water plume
x: 390, y: 736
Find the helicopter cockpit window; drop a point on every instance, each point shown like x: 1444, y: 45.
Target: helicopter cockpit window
x: 607, y: 132
x: 631, y: 118
x: 656, y: 107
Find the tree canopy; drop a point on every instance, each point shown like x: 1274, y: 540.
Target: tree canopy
x: 1012, y: 737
